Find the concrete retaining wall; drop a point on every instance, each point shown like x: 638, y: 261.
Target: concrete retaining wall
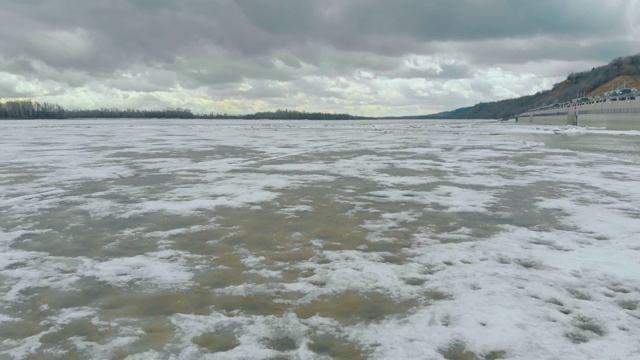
x: 612, y: 115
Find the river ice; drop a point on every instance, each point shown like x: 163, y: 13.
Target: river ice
x: 309, y: 240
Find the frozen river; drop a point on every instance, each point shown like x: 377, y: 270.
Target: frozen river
x: 309, y: 240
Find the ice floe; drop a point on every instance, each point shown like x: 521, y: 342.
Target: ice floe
x: 341, y: 239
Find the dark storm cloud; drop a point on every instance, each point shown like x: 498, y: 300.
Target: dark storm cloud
x: 151, y: 45
x: 543, y: 49
x: 447, y: 20
x: 127, y: 30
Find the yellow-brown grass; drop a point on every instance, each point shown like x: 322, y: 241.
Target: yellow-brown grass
x: 632, y: 81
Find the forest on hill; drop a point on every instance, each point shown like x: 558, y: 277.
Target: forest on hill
x: 592, y: 82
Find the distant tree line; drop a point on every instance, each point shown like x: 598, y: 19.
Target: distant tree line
x: 299, y: 115
x: 115, y: 113
x: 29, y: 109
x: 283, y: 115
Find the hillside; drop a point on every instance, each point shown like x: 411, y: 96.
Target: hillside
x: 631, y: 81
x: 592, y: 82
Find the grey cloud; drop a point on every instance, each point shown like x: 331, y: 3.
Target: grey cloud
x: 133, y: 84
x: 265, y: 90
x: 476, y: 20
x: 8, y: 91
x: 287, y: 18
x: 316, y: 87
x: 214, y: 68
x: 217, y: 44
x: 144, y: 29
x: 455, y: 71
x: 18, y: 66
x: 446, y: 72
x: 481, y: 86
x: 544, y: 49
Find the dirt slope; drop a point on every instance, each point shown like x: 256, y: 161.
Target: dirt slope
x: 632, y: 81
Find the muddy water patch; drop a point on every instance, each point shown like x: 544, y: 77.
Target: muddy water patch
x: 222, y: 276
x: 353, y: 307
x: 258, y: 304
x: 516, y: 208
x: 155, y: 305
x: 73, y: 232
x: 216, y: 343
x: 335, y: 347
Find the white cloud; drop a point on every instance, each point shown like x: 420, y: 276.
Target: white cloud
x: 368, y: 57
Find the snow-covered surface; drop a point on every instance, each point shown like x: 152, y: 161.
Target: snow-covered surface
x: 570, y: 130
x: 308, y: 239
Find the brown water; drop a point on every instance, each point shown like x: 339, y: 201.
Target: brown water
x: 163, y: 241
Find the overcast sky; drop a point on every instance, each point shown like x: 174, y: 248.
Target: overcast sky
x: 364, y: 57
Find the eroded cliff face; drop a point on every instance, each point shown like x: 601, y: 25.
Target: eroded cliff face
x: 620, y: 71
